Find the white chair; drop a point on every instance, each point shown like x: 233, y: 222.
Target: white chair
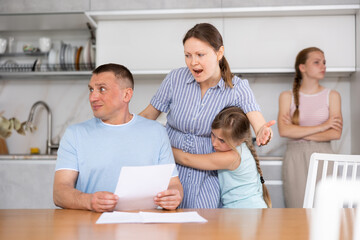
x: 344, y: 162
x: 330, y: 198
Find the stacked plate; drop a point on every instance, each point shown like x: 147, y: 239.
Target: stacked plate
x: 72, y: 58
x: 89, y: 55
x: 53, y: 60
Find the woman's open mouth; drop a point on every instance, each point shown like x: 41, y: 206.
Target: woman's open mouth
x: 197, y: 71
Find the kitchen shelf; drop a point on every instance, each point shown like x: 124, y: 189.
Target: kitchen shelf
x: 39, y: 67
x: 46, y: 74
x: 13, y: 69
x: 24, y: 54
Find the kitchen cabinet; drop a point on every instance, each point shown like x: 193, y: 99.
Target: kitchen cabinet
x: 111, y: 5
x: 41, y: 6
x: 104, y: 5
x: 272, y: 173
x: 26, y: 183
x: 155, y: 46
x: 262, y: 41
x: 272, y: 43
x: 68, y: 30
x: 257, y: 3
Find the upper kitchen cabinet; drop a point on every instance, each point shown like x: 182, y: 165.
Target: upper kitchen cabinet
x: 271, y: 3
x: 70, y: 51
x: 111, y: 5
x: 256, y: 40
x: 270, y: 44
x: 41, y: 6
x: 43, y: 21
x: 146, y: 46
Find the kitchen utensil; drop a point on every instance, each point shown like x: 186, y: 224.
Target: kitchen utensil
x: 34, y: 65
x: 44, y: 44
x: 62, y: 56
x: 3, y: 43
x: 11, y: 45
x: 77, y: 58
x: 87, y: 55
x: 57, y: 61
x: 92, y: 56
x: 66, y: 56
x: 51, y: 59
x: 29, y: 48
x: 74, y: 54
x: 93, y: 40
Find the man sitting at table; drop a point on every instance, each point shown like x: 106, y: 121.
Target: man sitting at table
x: 92, y: 153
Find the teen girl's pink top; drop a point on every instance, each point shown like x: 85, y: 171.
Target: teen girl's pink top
x: 314, y: 108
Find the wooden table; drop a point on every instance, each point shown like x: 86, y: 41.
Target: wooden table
x: 222, y: 224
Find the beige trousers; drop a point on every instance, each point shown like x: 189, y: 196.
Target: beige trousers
x: 295, y: 169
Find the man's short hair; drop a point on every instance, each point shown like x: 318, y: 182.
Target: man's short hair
x: 120, y: 72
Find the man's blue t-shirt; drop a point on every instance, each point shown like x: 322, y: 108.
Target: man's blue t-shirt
x: 98, y: 151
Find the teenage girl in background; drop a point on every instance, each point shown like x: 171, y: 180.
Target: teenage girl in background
x: 310, y: 116
x: 240, y: 176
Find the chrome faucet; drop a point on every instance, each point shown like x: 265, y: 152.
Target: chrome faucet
x: 49, y: 144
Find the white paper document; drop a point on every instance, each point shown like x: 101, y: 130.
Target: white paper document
x: 149, y: 217
x: 137, y: 186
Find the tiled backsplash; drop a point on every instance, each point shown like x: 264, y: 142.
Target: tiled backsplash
x: 68, y: 100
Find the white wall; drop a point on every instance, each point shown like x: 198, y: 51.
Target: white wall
x: 355, y: 97
x: 68, y: 100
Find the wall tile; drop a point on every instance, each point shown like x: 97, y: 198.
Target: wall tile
x: 68, y: 100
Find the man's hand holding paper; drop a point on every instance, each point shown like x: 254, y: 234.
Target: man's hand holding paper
x: 103, y: 201
x: 146, y: 187
x: 169, y: 199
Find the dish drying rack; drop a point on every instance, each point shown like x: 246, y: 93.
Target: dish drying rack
x: 57, y: 61
x: 14, y: 67
x: 45, y: 68
x: 40, y: 64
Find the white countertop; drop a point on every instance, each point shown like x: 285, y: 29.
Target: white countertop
x: 27, y: 157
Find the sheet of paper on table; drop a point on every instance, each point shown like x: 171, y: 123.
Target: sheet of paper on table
x: 150, y: 217
x: 137, y: 186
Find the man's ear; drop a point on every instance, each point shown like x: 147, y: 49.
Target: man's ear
x: 128, y: 94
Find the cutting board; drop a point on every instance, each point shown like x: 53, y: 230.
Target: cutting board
x: 3, y: 146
